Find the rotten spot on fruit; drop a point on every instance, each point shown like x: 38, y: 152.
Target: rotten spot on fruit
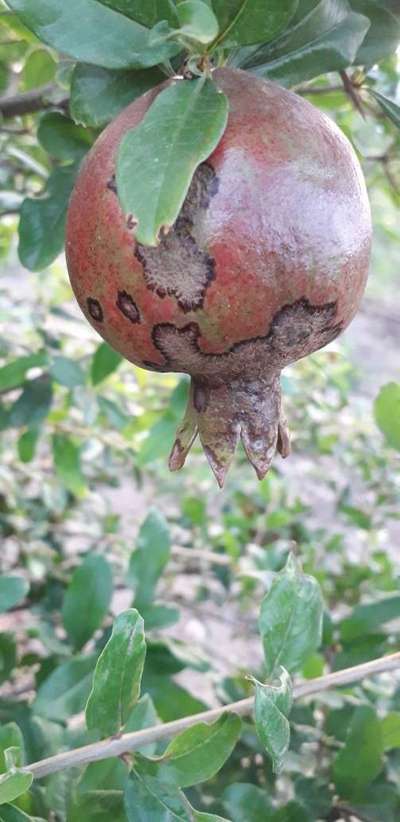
x: 111, y: 185
x: 95, y: 310
x: 128, y: 307
x: 295, y: 330
x: 180, y: 265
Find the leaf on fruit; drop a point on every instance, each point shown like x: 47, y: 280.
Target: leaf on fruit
x: 157, y: 160
x: 118, y: 675
x: 291, y: 619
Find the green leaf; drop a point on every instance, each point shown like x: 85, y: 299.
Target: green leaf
x: 292, y: 812
x: 383, y: 36
x: 271, y: 709
x: 97, y: 806
x: 8, y: 655
x: 159, y: 615
x: 247, y: 801
x: 67, y: 372
x: 13, y: 374
x: 27, y: 444
x: 105, y: 361
x: 92, y: 33
x: 291, y: 619
x: 39, y: 69
x: 360, y: 761
x: 390, y: 726
x: 33, y: 405
x: 149, y: 800
x: 392, y: 111
x: 150, y: 557
x: 196, y: 754
x: 314, y: 795
x: 13, y: 589
x: 89, y: 592
x: 99, y: 94
x: 10, y: 813
x: 146, y: 12
x: 387, y: 412
x: 366, y: 618
x: 10, y: 737
x: 244, y: 22
x: 42, y: 221
x: 67, y: 462
x: 118, y: 675
x: 61, y: 138
x: 326, y: 39
x: 197, y: 21
x: 65, y: 692
x: 13, y: 784
x: 181, y: 129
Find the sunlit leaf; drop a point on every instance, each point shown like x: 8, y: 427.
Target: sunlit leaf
x: 89, y: 592
x: 118, y: 674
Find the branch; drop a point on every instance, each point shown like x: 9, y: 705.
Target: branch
x: 132, y: 741
x: 30, y: 101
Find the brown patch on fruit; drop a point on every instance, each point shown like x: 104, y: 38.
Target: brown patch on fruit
x: 180, y: 266
x: 112, y: 185
x: 128, y: 307
x: 296, y: 330
x: 200, y: 398
x: 95, y: 310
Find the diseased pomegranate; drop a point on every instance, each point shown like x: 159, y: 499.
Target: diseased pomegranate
x: 266, y: 263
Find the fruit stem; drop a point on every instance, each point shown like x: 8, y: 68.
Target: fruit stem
x: 221, y: 412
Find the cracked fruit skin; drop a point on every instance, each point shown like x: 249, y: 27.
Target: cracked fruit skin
x: 266, y: 263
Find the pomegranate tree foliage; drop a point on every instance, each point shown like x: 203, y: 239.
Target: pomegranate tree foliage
x: 93, y: 640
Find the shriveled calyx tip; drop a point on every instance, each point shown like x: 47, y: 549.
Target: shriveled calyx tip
x: 223, y: 412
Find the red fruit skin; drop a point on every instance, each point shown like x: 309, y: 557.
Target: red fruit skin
x: 286, y: 223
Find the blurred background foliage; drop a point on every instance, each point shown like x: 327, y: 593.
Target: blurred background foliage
x: 84, y: 440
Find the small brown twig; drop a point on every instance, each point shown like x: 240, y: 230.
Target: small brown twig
x: 28, y: 102
x: 351, y: 90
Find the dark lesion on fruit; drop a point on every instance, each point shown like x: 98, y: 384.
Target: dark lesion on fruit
x: 95, y: 310
x: 296, y: 330
x: 180, y: 266
x: 128, y: 307
x: 112, y: 185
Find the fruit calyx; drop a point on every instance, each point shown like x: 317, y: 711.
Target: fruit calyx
x: 222, y: 412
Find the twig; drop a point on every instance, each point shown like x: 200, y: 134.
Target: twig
x: 351, y: 91
x: 132, y: 741
x: 30, y: 101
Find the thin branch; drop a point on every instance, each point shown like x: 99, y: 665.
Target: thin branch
x: 352, y: 92
x: 30, y: 101
x: 132, y: 741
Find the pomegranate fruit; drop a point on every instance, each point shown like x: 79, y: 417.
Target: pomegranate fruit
x: 265, y: 264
